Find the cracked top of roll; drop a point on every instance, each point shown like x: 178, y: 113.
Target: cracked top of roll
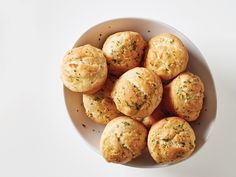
x: 170, y: 140
x: 137, y: 92
x: 122, y: 140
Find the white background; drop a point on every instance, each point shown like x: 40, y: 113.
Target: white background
x: 37, y: 137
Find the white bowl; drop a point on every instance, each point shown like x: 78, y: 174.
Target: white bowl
x: 96, y: 35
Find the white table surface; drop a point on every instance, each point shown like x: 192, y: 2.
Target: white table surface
x: 37, y: 137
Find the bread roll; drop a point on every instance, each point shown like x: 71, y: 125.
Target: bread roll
x: 137, y: 92
x: 166, y: 56
x: 122, y: 140
x: 124, y: 51
x: 84, y: 69
x: 170, y: 140
x: 183, y: 96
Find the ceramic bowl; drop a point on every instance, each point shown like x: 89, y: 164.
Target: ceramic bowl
x: 96, y: 35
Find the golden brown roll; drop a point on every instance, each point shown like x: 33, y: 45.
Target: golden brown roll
x: 153, y: 118
x: 84, y: 69
x: 122, y: 140
x: 123, y: 51
x: 99, y: 106
x: 166, y: 56
x: 183, y: 96
x: 170, y: 140
x: 137, y: 92
x: 149, y: 121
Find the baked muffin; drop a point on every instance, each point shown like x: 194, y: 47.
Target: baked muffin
x: 171, y: 140
x: 122, y: 140
x: 166, y: 56
x: 183, y: 96
x: 99, y: 106
x: 124, y: 51
x: 137, y: 92
x: 84, y: 69
x: 153, y: 118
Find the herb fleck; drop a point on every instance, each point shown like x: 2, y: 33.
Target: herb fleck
x: 168, y: 54
x: 112, y: 51
x: 116, y: 61
x: 134, y: 45
x: 123, y: 145
x: 83, y: 125
x: 182, y: 144
x: 69, y: 52
x: 196, y: 80
x: 122, y: 49
x: 139, y: 76
x: 97, y: 98
x: 138, y: 106
x: 128, y: 104
x: 164, y: 145
x: 126, y: 123
x: 154, y: 85
x: 118, y: 100
x: 100, y: 112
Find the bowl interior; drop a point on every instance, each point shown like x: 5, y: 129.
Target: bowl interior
x: 91, y: 131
